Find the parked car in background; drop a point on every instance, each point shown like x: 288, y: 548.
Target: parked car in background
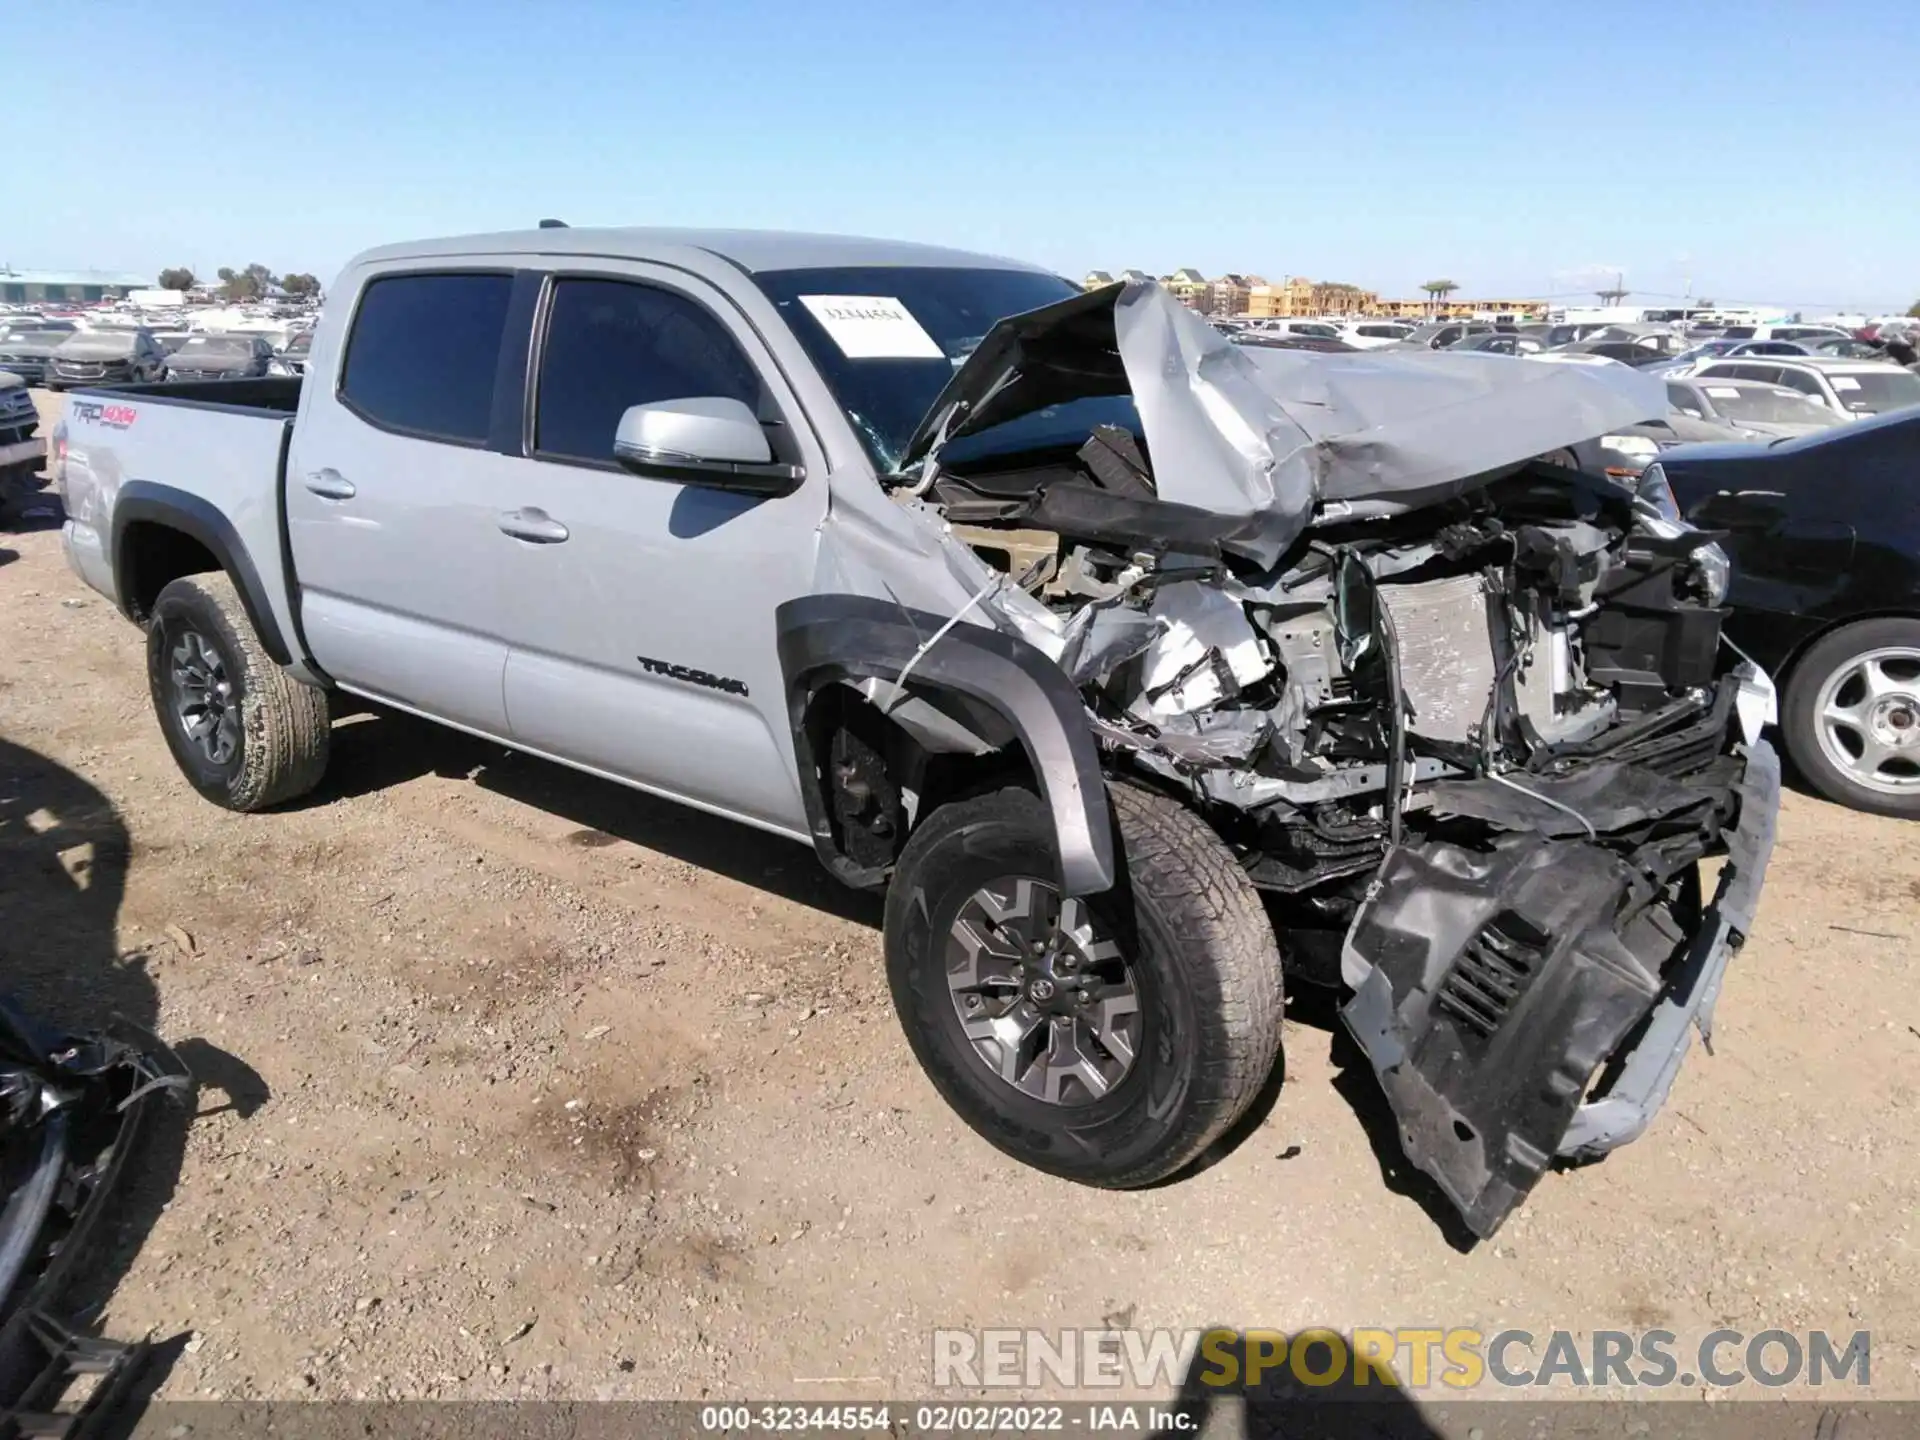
x: 26, y: 348
x: 1309, y: 329
x: 1697, y: 354
x: 11, y: 324
x: 1374, y: 334
x: 220, y: 357
x: 1499, y: 342
x: 1556, y: 334
x: 1772, y: 347
x: 1844, y: 347
x: 1438, y: 335
x: 106, y: 357
x: 1754, y: 409
x: 1271, y: 340
x: 22, y: 449
x: 1790, y: 331
x: 1824, y: 535
x: 1850, y: 388
x: 1645, y: 350
x: 291, y: 359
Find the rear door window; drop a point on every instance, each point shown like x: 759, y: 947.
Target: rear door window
x: 615, y: 343
x: 423, y: 351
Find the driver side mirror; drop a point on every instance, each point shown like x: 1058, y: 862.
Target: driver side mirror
x: 709, y: 440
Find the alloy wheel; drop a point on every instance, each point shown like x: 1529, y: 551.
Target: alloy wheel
x: 1047, y: 1000
x: 204, y: 702
x: 1868, y: 719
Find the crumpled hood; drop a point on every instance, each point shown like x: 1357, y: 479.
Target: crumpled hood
x: 1272, y: 436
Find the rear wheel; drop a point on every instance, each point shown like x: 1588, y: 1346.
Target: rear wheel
x: 1109, y: 1039
x: 1852, y: 716
x: 244, y: 733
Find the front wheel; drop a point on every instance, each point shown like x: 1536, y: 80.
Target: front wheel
x: 1851, y: 716
x: 244, y: 732
x: 1108, y: 1039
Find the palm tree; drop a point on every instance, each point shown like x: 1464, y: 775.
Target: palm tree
x: 1438, y: 290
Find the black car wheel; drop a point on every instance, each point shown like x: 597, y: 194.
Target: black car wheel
x: 1108, y: 1039
x: 1852, y: 716
x: 244, y: 733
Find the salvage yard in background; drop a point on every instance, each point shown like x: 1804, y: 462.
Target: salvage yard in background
x: 516, y: 1082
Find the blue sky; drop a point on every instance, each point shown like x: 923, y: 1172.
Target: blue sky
x: 1769, y: 149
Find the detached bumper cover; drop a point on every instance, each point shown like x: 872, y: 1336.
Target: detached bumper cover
x: 1643, y: 1079
x: 71, y: 1112
x: 1499, y: 980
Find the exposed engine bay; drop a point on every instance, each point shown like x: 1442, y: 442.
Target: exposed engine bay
x: 1471, y: 747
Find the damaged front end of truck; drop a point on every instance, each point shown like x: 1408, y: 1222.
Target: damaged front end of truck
x: 1466, y: 718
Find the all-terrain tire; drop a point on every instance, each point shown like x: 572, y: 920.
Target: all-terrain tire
x: 283, y: 733
x: 1896, y: 639
x: 1202, y: 953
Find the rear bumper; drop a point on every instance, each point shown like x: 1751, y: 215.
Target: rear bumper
x: 1647, y: 1069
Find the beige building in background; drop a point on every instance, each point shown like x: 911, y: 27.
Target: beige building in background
x: 1236, y: 294
x: 1331, y: 298
x: 1452, y: 309
x: 1281, y: 299
x: 1231, y: 293
x: 1191, y: 289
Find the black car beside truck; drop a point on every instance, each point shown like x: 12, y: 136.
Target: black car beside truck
x: 1824, y: 534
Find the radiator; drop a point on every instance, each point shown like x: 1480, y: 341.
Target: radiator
x: 1446, y: 654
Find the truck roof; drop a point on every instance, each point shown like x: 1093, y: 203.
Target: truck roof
x: 751, y: 250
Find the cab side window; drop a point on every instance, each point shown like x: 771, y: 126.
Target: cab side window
x: 423, y: 351
x: 611, y: 344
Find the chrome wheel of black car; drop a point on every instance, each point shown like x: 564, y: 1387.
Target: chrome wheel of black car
x: 1047, y: 1002
x: 1869, y: 719
x: 204, y: 701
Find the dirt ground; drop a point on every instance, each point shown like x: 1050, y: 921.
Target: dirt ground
x: 517, y: 1083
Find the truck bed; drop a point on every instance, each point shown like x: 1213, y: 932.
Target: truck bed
x: 203, y: 456
x: 276, y: 394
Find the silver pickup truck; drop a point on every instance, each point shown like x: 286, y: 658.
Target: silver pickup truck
x: 1135, y: 666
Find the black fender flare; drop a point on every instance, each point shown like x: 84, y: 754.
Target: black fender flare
x: 824, y: 638
x: 192, y: 515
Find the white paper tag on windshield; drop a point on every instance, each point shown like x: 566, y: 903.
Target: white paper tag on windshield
x: 1723, y: 392
x: 872, y: 327
x: 1844, y: 382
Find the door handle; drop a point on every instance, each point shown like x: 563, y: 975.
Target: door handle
x: 330, y: 484
x: 534, y: 524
